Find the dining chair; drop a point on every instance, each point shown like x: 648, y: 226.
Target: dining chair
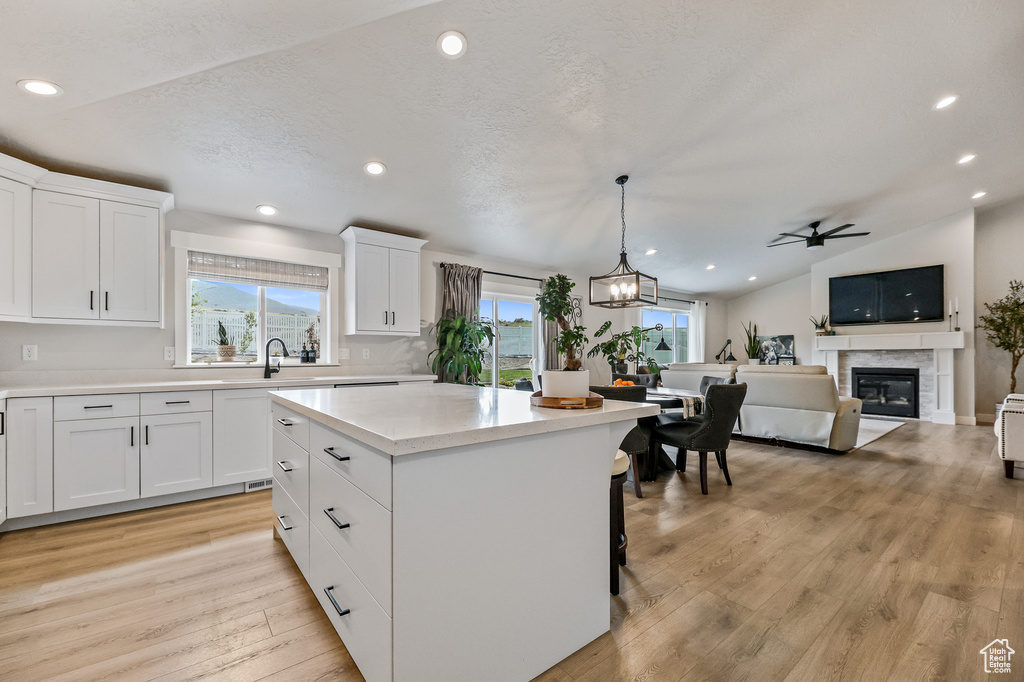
x: 713, y: 433
x: 635, y: 442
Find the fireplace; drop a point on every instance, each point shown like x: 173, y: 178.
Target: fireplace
x: 888, y: 391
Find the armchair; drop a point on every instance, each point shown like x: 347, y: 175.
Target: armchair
x: 1009, y: 428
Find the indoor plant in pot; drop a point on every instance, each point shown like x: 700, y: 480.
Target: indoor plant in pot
x: 1004, y: 326
x: 555, y: 304
x: 753, y: 346
x: 615, y: 349
x: 226, y: 350
x: 820, y: 325
x: 462, y: 344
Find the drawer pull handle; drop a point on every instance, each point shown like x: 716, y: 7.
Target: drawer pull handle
x: 106, y: 300
x: 283, y: 467
x: 332, y: 517
x: 131, y: 442
x: 97, y: 407
x: 284, y: 526
x: 341, y: 458
x: 147, y: 434
x: 285, y: 422
x: 341, y: 611
x: 177, y: 402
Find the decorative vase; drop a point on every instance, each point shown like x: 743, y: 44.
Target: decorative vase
x: 226, y: 353
x: 560, y: 383
x: 820, y: 331
x: 754, y: 361
x: 621, y: 368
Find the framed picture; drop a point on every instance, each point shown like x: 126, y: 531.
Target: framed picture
x: 775, y: 347
x: 787, y: 360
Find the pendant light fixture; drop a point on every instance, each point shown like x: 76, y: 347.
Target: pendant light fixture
x: 623, y: 287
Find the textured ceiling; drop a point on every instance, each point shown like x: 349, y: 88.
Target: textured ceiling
x: 734, y: 120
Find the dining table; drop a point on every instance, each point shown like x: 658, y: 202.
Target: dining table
x: 677, y: 401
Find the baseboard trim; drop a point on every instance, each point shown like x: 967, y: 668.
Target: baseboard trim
x: 966, y: 421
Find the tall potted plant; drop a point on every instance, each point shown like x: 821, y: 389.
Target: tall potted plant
x: 1004, y: 326
x: 753, y: 346
x: 555, y: 304
x: 461, y: 346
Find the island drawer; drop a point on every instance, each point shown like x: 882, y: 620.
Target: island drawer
x: 291, y: 423
x: 364, y: 628
x: 368, y: 469
x: 293, y: 527
x: 356, y: 527
x: 173, y: 402
x: 71, y: 407
x: 290, y: 464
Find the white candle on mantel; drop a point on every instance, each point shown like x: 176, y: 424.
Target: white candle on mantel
x: 951, y: 309
x: 958, y: 304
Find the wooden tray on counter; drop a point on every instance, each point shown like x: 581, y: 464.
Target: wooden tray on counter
x: 591, y: 401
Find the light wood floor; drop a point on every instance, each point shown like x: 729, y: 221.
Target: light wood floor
x: 898, y: 561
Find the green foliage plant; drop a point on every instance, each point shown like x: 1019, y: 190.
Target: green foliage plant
x: 1004, y: 326
x: 555, y: 304
x: 625, y: 346
x: 222, y: 335
x: 753, y: 346
x: 461, y: 346
x: 819, y: 322
x: 250, y: 331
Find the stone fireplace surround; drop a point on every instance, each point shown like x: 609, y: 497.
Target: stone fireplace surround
x: 930, y: 352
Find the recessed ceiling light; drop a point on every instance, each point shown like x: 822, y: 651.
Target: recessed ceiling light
x: 452, y: 44
x: 945, y: 102
x: 751, y: 278
x: 968, y: 158
x: 650, y: 252
x: 710, y: 267
x: 266, y: 209
x: 40, y: 87
x: 978, y: 195
x: 375, y: 168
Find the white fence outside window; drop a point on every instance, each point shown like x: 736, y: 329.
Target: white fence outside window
x: 206, y: 336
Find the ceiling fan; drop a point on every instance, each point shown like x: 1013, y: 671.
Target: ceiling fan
x: 815, y: 240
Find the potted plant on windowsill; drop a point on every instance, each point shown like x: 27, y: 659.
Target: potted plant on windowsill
x: 462, y: 344
x: 753, y: 346
x: 820, y: 325
x: 555, y: 304
x: 226, y: 350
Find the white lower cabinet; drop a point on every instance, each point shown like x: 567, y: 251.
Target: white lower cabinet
x: 3, y: 461
x: 95, y: 461
x: 293, y: 527
x: 241, y: 435
x: 29, y: 456
x: 177, y: 453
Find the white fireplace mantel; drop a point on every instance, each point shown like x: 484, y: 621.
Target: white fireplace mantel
x: 942, y: 345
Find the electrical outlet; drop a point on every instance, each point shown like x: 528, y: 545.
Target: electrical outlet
x: 366, y: 354
x: 169, y: 353
x: 29, y: 353
x: 345, y: 354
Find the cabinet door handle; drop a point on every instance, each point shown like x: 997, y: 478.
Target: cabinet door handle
x: 332, y: 517
x: 3, y: 423
x: 341, y: 458
x: 91, y: 292
x: 283, y: 467
x: 131, y: 441
x: 285, y: 422
x: 177, y: 402
x: 147, y: 434
x: 97, y: 407
x: 385, y: 317
x: 106, y: 300
x: 392, y: 318
x: 283, y: 525
x: 341, y: 611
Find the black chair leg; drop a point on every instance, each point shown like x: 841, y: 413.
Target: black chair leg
x: 1008, y: 468
x: 718, y: 457
x: 725, y: 466
x: 681, y: 460
x: 704, y: 472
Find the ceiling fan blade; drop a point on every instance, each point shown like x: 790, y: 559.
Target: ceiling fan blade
x: 784, y: 243
x: 852, y: 234
x: 790, y: 234
x: 837, y: 229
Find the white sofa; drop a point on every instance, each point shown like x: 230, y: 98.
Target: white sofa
x: 1009, y: 430
x: 797, y: 403
x: 687, y: 375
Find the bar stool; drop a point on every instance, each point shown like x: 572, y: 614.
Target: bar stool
x: 618, y: 518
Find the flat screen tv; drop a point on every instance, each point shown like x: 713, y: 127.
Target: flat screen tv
x: 911, y: 295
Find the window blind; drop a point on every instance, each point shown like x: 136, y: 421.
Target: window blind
x: 241, y: 270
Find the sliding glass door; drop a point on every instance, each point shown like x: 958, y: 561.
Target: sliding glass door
x: 514, y: 348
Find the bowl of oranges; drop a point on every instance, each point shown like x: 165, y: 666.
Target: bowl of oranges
x: 622, y: 382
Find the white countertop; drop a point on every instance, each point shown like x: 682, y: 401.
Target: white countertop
x: 402, y: 420
x: 275, y: 381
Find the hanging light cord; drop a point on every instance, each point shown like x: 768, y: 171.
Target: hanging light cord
x: 623, y: 214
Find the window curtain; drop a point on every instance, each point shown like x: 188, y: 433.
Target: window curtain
x: 697, y: 324
x: 460, y: 296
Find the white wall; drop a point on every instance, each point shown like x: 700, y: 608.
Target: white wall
x: 783, y: 308
x: 999, y: 243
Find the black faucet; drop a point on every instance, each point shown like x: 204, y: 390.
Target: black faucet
x: 268, y: 370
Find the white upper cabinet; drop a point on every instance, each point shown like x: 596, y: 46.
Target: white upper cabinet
x: 382, y: 283
x: 65, y: 256
x: 15, y: 249
x: 129, y: 262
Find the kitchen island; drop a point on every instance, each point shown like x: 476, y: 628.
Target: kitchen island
x: 449, y: 532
